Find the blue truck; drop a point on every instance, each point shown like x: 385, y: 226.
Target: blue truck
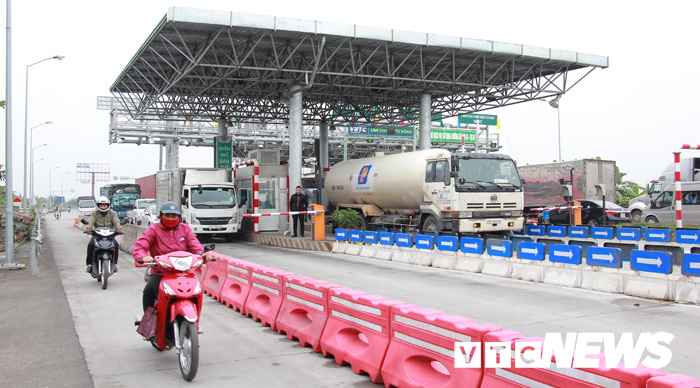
x: 122, y: 197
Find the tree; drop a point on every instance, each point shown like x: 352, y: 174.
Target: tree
x: 626, y: 190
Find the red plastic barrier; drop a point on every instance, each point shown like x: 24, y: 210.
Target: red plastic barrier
x: 304, y: 311
x: 561, y: 377
x: 215, y: 275
x: 358, y: 330
x: 266, y: 293
x: 421, y: 351
x: 237, y: 285
x: 673, y: 381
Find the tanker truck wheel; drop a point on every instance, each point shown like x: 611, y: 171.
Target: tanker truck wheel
x: 431, y: 224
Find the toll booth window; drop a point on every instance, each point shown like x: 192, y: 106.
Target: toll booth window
x: 267, y: 195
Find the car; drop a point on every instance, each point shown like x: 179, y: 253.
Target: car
x: 663, y: 207
x: 150, y: 216
x: 135, y: 216
x: 592, y: 213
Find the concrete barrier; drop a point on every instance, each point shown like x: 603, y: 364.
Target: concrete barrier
x: 131, y: 234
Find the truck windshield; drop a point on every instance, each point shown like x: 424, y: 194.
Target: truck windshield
x: 86, y: 204
x: 487, y: 174
x: 125, y: 201
x: 212, y: 197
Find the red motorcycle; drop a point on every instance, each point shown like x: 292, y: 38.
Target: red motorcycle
x: 173, y: 321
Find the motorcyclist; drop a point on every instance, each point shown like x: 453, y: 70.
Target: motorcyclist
x: 166, y: 236
x: 103, y: 216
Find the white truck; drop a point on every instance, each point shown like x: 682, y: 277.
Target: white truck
x: 431, y: 190
x: 690, y: 172
x: 206, y: 196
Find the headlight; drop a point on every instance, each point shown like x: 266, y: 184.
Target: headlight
x: 195, y: 220
x: 182, y: 263
x: 232, y: 221
x: 167, y: 289
x: 197, y: 289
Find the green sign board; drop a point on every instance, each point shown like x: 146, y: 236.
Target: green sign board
x: 483, y: 119
x: 365, y: 130
x: 223, y: 154
x: 452, y: 136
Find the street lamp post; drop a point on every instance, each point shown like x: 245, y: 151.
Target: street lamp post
x: 31, y: 157
x: 63, y: 176
x: 31, y: 174
x: 26, y: 110
x: 555, y: 104
x: 51, y: 192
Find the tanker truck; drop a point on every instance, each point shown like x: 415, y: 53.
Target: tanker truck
x: 430, y: 190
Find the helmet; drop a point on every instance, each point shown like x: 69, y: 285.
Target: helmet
x: 170, y: 207
x: 103, y: 201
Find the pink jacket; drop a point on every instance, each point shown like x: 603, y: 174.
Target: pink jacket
x: 158, y: 240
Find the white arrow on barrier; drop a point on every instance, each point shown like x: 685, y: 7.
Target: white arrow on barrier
x: 656, y: 260
x: 568, y: 254
x: 387, y: 239
x: 403, y: 240
x: 472, y: 246
x: 626, y: 234
x: 577, y: 233
x: 657, y: 235
x: 601, y: 233
x: 341, y: 234
x: 609, y: 257
x: 689, y: 236
x: 499, y: 248
x: 695, y: 265
x: 529, y: 250
x: 447, y: 243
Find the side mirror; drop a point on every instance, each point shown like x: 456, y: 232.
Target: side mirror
x: 447, y: 178
x: 183, y: 201
x: 454, y: 174
x: 522, y: 181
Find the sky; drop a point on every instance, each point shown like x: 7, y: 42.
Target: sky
x: 634, y: 112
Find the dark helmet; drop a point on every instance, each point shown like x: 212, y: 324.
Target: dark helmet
x: 170, y: 207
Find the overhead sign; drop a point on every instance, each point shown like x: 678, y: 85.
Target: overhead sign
x: 381, y: 130
x: 531, y: 251
x: 502, y: 248
x: 691, y: 264
x: 688, y: 236
x: 452, y: 136
x: 224, y: 153
x: 471, y: 245
x: 650, y: 261
x: 567, y: 254
x: 604, y: 257
x: 447, y: 243
x: 483, y: 119
x: 658, y: 235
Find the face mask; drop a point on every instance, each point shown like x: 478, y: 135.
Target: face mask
x: 169, y: 223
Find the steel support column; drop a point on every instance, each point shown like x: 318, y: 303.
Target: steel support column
x: 425, y: 121
x: 323, y: 157
x: 295, y: 134
x: 172, y: 154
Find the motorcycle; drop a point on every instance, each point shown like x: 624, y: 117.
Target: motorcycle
x: 103, y: 254
x: 173, y: 320
x: 57, y: 215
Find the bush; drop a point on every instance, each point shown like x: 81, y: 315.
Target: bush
x: 346, y: 218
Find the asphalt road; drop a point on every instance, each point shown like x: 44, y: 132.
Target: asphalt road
x: 236, y: 351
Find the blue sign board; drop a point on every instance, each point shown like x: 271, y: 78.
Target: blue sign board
x: 386, y: 238
x: 602, y: 232
x: 355, y: 236
x: 535, y: 230
x: 658, y: 235
x: 520, y: 232
x: 341, y: 234
x: 404, y: 240
x: 629, y: 234
x: 578, y: 231
x: 531, y: 251
x: 567, y: 254
x: 556, y: 231
x: 691, y: 264
x: 472, y: 245
x: 688, y: 236
x: 502, y: 248
x: 424, y: 242
x: 447, y: 243
x: 371, y: 238
x: 604, y: 257
x: 650, y: 261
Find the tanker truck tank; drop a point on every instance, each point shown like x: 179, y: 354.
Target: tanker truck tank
x: 431, y: 190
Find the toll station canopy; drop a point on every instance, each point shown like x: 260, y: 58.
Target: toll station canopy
x: 203, y: 65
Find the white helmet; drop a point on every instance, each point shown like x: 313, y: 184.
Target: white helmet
x: 103, y: 201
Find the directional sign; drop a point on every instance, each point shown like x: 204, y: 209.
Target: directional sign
x: 520, y: 232
x: 386, y: 238
x: 629, y: 234
x: 604, y: 257
x: 650, y: 261
x: 691, y: 264
x: 688, y: 236
x: 371, y: 237
x: 531, y: 251
x: 567, y: 254
x: 535, y: 230
x: 341, y: 234
x: 602, y: 232
x: 424, y: 242
x: 556, y: 231
x: 658, y: 235
x: 448, y: 243
x: 471, y: 245
x: 404, y: 240
x: 355, y: 236
x: 502, y: 248
x: 483, y: 119
x: 578, y: 231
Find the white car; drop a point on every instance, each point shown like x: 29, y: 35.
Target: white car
x: 150, y: 216
x: 135, y: 216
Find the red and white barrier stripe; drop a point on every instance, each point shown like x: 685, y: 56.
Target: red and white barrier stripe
x: 677, y: 179
x: 282, y: 213
x: 256, y: 188
x: 539, y: 209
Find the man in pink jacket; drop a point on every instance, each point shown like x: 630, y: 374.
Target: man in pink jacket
x: 161, y: 238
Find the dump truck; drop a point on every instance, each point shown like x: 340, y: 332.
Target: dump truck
x: 206, y: 196
x: 122, y: 197
x: 430, y: 190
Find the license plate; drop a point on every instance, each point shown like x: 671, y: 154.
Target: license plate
x: 494, y: 222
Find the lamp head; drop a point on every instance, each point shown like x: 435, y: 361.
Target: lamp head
x: 59, y: 57
x: 555, y: 102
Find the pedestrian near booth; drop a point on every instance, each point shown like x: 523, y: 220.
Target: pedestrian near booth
x: 298, y: 203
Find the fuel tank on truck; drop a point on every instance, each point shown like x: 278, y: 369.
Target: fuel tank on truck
x: 390, y: 182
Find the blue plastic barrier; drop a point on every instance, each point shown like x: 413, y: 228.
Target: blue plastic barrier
x: 578, y: 231
x: 355, y: 236
x: 448, y: 243
x: 658, y: 234
x: 691, y: 264
x: 502, y: 248
x: 688, y: 236
x: 650, y: 261
x: 424, y: 241
x: 603, y: 232
x: 567, y: 254
x: 371, y: 237
x: 386, y: 238
x: 341, y: 234
x: 536, y: 230
x: 604, y: 257
x: 472, y: 245
x: 531, y: 251
x: 403, y: 240
x: 629, y: 234
x: 556, y: 231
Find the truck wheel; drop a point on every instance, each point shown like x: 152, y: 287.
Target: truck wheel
x: 364, y: 222
x: 652, y: 220
x: 636, y: 216
x: 431, y: 224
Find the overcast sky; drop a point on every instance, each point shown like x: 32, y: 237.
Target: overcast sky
x: 635, y: 112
